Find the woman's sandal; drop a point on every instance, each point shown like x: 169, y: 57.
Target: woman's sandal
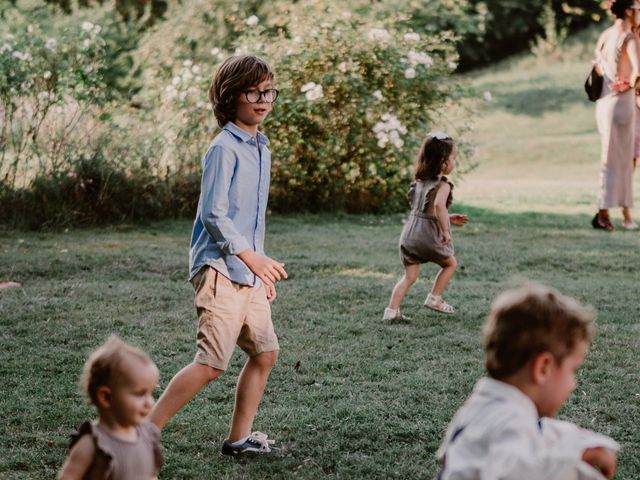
x: 438, y: 304
x: 602, y: 223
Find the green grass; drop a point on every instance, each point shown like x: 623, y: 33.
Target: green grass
x: 369, y: 398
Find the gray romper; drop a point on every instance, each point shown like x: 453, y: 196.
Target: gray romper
x: 117, y: 459
x: 421, y: 237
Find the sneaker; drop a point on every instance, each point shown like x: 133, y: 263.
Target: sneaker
x: 257, y: 442
x: 630, y: 225
x: 394, y: 314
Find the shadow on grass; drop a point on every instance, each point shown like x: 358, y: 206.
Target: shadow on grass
x: 535, y: 102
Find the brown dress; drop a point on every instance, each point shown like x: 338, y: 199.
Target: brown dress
x: 421, y: 237
x: 615, y: 116
x: 117, y: 459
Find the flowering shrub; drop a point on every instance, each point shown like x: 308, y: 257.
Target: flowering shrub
x: 356, y: 102
x: 48, y: 86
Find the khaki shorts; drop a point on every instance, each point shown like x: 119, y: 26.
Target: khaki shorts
x: 230, y: 314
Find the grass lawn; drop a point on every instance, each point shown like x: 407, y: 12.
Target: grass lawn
x: 352, y: 396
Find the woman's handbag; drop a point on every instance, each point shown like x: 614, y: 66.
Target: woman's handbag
x: 593, y: 85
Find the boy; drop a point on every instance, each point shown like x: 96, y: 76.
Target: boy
x: 233, y: 279
x: 535, y: 341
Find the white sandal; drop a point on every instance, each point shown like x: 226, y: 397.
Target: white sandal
x: 438, y: 304
x: 394, y: 314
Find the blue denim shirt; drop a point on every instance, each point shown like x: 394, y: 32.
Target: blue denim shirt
x: 232, y: 205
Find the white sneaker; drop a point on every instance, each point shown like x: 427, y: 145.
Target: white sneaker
x: 630, y: 225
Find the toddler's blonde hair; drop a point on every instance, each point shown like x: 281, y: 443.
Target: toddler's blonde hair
x: 105, y: 364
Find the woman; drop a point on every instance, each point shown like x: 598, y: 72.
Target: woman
x: 618, y: 59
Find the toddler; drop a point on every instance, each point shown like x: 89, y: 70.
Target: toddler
x: 426, y: 235
x: 119, y: 381
x: 535, y: 341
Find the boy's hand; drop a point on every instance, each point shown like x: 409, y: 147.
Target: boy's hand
x: 271, y: 292
x: 458, y: 218
x: 446, y: 237
x: 267, y: 269
x: 601, y: 459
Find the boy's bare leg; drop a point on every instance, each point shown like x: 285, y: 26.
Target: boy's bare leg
x: 442, y: 278
x: 182, y: 388
x: 626, y: 215
x: 411, y: 273
x: 249, y: 390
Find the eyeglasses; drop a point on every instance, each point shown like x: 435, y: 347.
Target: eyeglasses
x: 254, y: 96
x: 439, y: 135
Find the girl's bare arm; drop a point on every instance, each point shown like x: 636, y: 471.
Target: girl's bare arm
x: 79, y: 459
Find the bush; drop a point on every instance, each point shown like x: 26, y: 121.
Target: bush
x: 356, y: 101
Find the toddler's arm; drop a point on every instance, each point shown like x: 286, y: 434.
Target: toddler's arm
x: 79, y: 459
x: 440, y: 204
x: 458, y: 218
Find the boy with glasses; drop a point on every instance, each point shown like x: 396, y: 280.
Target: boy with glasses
x: 234, y: 280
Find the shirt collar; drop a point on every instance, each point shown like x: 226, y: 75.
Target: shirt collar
x: 491, y: 387
x: 243, y: 135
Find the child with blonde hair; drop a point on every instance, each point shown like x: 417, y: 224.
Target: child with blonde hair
x: 535, y: 341
x: 119, y: 381
x: 426, y: 236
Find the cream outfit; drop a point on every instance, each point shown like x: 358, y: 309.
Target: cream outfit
x: 616, y: 117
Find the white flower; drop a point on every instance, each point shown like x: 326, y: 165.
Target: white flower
x: 88, y: 69
x: 346, y: 14
x: 5, y: 48
x: 383, y: 139
x: 196, y: 69
x: 378, y: 94
x: 342, y: 66
x: 9, y: 37
x: 416, y: 58
x: 186, y: 74
x: 389, y: 129
x: 312, y: 91
x: 97, y: 29
x: 25, y: 57
x: 175, y: 81
x: 487, y: 96
x: 43, y: 96
x: 252, y: 21
x: 171, y: 92
x: 215, y: 51
x: 379, y: 35
x: 46, y: 75
x: 410, y: 73
x: 201, y: 105
x: 187, y: 63
x: 86, y: 43
x: 87, y: 26
x: 452, y: 65
x: 51, y: 44
x: 412, y: 37
x: 297, y: 39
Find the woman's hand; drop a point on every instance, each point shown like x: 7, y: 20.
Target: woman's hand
x: 458, y: 219
x: 620, y: 86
